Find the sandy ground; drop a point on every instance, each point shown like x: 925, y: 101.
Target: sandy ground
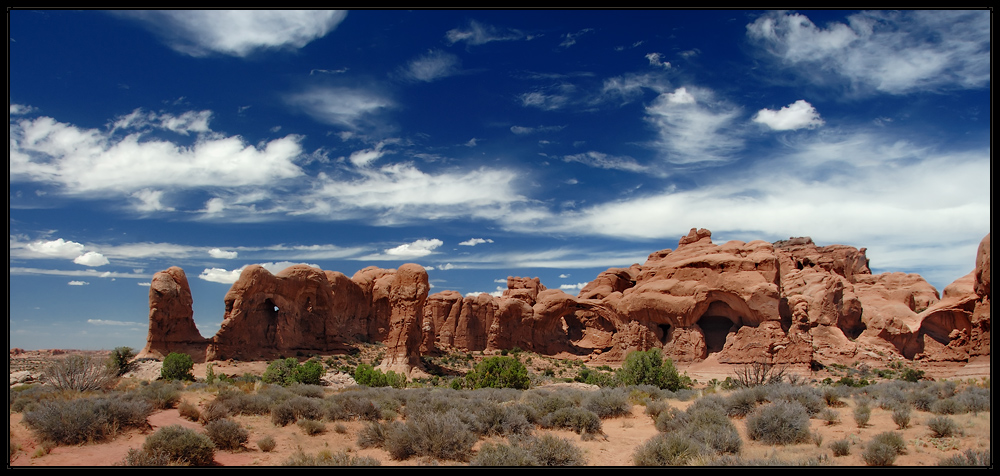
x: 623, y: 435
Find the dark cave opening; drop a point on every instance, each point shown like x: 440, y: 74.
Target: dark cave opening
x: 715, y: 329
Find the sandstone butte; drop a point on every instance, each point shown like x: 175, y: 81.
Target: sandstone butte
x: 788, y: 302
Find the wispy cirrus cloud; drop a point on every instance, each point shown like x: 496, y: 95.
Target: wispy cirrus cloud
x: 888, y: 52
x: 478, y: 34
x: 606, y: 161
x: 694, y: 126
x: 432, y: 66
x: 353, y: 108
x: 237, y: 32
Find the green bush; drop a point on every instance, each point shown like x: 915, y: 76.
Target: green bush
x: 181, y: 445
x: 177, y: 367
x: 227, y: 434
x: 498, y: 372
x: 121, y: 360
x: 289, y: 371
x: 369, y: 376
x: 649, y: 368
x: 779, y: 423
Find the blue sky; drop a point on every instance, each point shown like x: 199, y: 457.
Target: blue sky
x: 479, y: 144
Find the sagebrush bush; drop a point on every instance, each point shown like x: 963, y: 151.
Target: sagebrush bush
x: 181, y: 445
x: 432, y: 434
x: 862, y: 413
x: 901, y: 417
x: 942, y: 426
x: 841, y: 447
x: 667, y: 450
x: 491, y: 419
x: 138, y: 457
x: 161, y: 394
x: 297, y: 408
x: 974, y: 399
x: 949, y: 406
x: 266, y: 443
x: 713, y: 429
x: 546, y: 450
x: 671, y: 420
x: 743, y: 401
x: 189, y: 411
x: 779, y: 423
x: 883, y: 449
x: 608, y: 403
x: 326, y: 458
x: 829, y: 416
x: 80, y: 373
x: 580, y: 420
x: 969, y: 457
x: 311, y: 427
x: 71, y: 422
x: 227, y: 434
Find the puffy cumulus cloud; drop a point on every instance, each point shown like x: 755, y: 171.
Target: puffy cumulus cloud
x: 58, y: 248
x: 475, y: 241
x: 889, y: 52
x: 416, y: 249
x: 149, y: 201
x: 89, y: 160
x: 605, y: 161
x: 431, y: 66
x: 221, y: 254
x: 355, y: 109
x: 798, y: 115
x: 478, y: 34
x: 224, y: 276
x: 92, y: 259
x: 694, y: 127
x: 78, y: 283
x: 237, y: 32
x: 447, y: 266
x: 18, y: 109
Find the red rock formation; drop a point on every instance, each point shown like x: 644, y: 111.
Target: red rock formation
x: 171, y: 318
x: 407, y: 295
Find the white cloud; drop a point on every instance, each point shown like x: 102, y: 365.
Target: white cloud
x: 90, y: 273
x: 19, y: 109
x: 447, y: 266
x: 145, y: 283
x: 218, y: 253
x: 224, y: 276
x: 89, y: 160
x: 521, y: 130
x: 890, y: 52
x: 573, y: 287
x: 58, y: 248
x: 149, y: 201
x: 475, y: 241
x: 605, y: 161
x: 478, y: 34
x: 238, y: 32
x: 563, y: 276
x: 352, y: 108
x: 694, y: 126
x: 78, y: 283
x: 363, y: 158
x: 656, y: 59
x: 416, y: 249
x: 569, y: 39
x: 433, y: 65
x: 91, y: 258
x: 190, y: 121
x: 797, y: 115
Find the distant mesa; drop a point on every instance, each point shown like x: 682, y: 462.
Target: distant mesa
x: 784, y: 302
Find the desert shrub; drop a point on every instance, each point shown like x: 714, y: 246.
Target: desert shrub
x: 311, y: 427
x: 713, y: 429
x: 829, y: 416
x: 177, y: 367
x: 543, y: 402
x: 352, y: 406
x: 649, y: 368
x: 369, y: 376
x: 667, y: 450
x: 942, y: 426
x: 743, y: 401
x: 288, y: 371
x: 189, y: 411
x: 969, y: 457
x: 296, y: 408
x: 161, y: 394
x: 252, y: 403
x: 832, y: 396
x: 655, y: 407
x: 80, y: 373
x: 227, y: 434
x: 500, y: 454
x: 325, y: 458
x: 580, y: 420
x: 841, y: 447
x: 27, y: 397
x: 974, y: 399
x: 901, y: 417
x: 670, y: 420
x: 138, y: 457
x: 948, y: 406
x: 432, y: 434
x: 862, y: 413
x: 808, y: 397
x: 596, y: 377
x: 608, y: 403
x: 121, y: 360
x: 758, y: 373
x: 779, y: 423
x: 547, y: 450
x: 266, y: 444
x: 492, y: 419
x: 922, y: 399
x: 883, y: 449
x: 373, y: 435
x: 71, y: 422
x: 215, y: 410
x: 498, y: 372
x: 181, y: 445
x: 307, y: 390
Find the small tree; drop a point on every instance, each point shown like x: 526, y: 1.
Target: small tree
x: 121, y: 360
x: 498, y: 372
x: 649, y: 368
x: 177, y: 367
x: 288, y: 371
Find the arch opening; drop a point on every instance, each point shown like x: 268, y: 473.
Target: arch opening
x: 716, y: 323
